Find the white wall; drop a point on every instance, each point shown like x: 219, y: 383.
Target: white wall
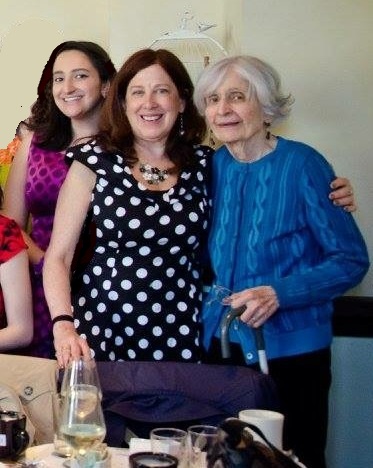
x: 29, y: 31
x: 137, y: 27
x: 323, y: 51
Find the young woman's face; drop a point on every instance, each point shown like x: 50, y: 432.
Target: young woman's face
x: 152, y: 104
x: 77, y: 87
x: 233, y: 114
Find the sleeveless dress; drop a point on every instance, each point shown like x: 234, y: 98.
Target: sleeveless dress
x: 11, y: 243
x: 46, y: 172
x: 141, y: 292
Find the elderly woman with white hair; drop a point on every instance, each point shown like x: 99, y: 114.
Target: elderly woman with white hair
x: 277, y: 242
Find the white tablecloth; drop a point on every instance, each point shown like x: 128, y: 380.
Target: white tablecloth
x: 45, y: 455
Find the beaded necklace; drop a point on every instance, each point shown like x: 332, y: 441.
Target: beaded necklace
x: 152, y: 174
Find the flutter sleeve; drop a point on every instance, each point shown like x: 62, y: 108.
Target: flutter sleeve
x: 92, y: 156
x: 11, y: 240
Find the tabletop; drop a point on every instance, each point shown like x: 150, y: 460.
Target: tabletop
x: 43, y: 456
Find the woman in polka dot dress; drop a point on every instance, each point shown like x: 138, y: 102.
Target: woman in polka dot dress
x: 145, y: 178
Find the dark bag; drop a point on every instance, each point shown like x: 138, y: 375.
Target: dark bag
x: 236, y: 448
x: 13, y: 436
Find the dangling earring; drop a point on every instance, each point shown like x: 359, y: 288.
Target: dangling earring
x: 105, y: 90
x: 181, y: 125
x: 268, y: 134
x: 212, y: 141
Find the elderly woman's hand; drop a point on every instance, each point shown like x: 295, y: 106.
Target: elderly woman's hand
x: 68, y: 344
x: 343, y: 194
x: 261, y: 302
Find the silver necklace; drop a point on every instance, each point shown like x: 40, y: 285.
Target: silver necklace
x: 152, y: 174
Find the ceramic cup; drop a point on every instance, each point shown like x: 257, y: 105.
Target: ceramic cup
x: 269, y: 422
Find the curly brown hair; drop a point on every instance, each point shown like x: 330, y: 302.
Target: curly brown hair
x: 116, y: 134
x: 52, y: 127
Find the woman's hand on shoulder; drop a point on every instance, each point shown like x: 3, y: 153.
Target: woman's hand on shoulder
x: 343, y: 194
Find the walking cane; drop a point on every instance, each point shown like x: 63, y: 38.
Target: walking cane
x: 258, y: 336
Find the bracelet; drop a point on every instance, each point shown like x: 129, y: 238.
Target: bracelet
x: 63, y: 317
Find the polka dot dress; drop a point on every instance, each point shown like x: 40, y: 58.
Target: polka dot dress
x: 141, y: 292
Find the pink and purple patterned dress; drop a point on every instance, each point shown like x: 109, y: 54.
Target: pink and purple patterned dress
x: 45, y: 174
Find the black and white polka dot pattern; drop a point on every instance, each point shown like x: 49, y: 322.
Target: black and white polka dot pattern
x: 141, y: 292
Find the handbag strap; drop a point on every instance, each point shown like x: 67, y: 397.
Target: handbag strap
x: 281, y: 457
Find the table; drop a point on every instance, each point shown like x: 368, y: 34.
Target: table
x: 44, y: 454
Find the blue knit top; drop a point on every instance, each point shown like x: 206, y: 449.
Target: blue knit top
x: 273, y: 224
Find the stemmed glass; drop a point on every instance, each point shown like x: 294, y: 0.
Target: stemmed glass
x: 78, y: 372
x: 82, y: 423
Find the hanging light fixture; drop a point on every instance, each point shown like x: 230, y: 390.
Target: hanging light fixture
x: 194, y: 48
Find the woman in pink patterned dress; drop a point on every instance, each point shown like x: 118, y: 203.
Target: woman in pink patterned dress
x: 15, y: 288
x: 70, y: 94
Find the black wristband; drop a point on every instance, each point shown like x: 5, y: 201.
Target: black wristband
x: 63, y: 317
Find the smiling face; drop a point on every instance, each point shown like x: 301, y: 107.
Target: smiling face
x: 152, y: 104
x: 234, y: 113
x: 77, y: 88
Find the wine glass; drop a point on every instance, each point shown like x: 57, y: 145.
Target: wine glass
x: 82, y: 423
x: 79, y: 371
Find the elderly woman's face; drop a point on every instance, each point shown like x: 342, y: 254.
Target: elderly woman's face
x: 233, y: 114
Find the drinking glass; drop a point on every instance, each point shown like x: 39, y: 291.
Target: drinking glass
x: 82, y: 423
x: 171, y: 441
x: 201, y: 439
x: 79, y: 371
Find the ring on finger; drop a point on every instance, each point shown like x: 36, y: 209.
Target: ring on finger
x: 254, y: 320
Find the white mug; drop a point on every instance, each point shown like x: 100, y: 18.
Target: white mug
x: 269, y: 422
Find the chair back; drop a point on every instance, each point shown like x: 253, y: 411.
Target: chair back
x: 169, y: 392
x: 34, y: 380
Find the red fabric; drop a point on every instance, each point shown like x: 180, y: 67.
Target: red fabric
x: 11, y: 243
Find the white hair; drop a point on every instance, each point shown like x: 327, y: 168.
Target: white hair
x: 262, y: 79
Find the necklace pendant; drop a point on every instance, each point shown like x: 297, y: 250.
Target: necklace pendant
x: 152, y: 174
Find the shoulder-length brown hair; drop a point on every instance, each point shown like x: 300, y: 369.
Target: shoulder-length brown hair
x: 115, y: 131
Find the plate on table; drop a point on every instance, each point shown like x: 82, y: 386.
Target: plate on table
x: 45, y: 455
